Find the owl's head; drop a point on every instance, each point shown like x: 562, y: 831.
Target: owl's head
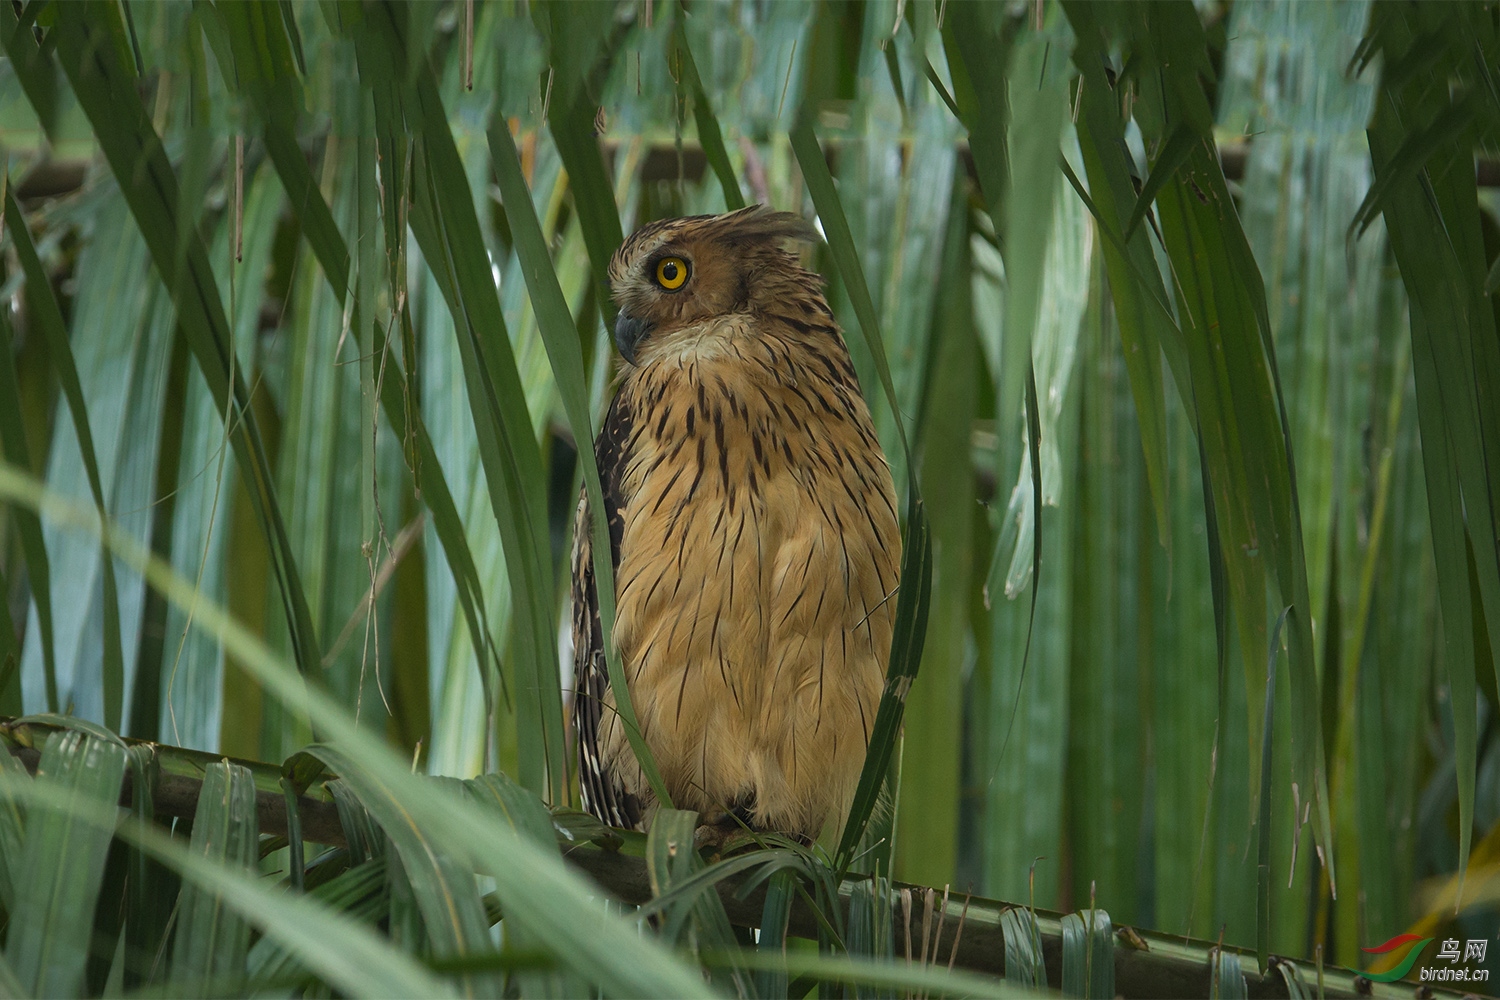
x: 676, y: 273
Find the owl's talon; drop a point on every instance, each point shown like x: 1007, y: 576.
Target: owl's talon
x: 722, y: 838
x: 710, y: 837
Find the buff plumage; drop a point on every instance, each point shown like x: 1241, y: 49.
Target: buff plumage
x: 753, y: 524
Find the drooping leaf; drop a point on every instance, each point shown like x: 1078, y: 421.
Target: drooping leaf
x: 62, y: 865
x: 45, y: 309
x: 443, y: 221
x: 566, y: 356
x: 87, y: 53
x: 1088, y: 959
x: 212, y: 940
x: 444, y: 890
x: 916, y: 565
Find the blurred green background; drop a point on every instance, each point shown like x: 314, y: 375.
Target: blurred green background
x: 1120, y: 762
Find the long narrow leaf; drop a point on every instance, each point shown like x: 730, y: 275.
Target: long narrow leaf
x: 547, y: 898
x: 708, y: 126
x: 443, y: 220
x: 1088, y: 959
x: 212, y: 940
x: 1433, y: 221
x: 263, y: 68
x: 916, y: 561
x: 49, y: 317
x: 1140, y: 325
x: 140, y: 164
x: 346, y: 954
x: 62, y: 864
x: 567, y: 364
x: 446, y: 893
x: 38, y: 567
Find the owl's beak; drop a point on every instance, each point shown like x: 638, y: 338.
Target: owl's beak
x: 628, y: 334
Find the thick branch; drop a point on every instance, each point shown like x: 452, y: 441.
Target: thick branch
x: 1157, y: 965
x: 1146, y: 963
x: 179, y: 778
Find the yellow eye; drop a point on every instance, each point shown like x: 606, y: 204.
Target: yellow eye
x: 671, y: 273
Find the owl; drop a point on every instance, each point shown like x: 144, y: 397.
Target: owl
x: 753, y: 532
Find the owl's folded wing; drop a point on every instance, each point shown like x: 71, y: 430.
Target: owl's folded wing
x: 603, y: 794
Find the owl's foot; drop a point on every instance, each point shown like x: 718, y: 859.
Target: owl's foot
x: 726, y: 832
x: 715, y: 839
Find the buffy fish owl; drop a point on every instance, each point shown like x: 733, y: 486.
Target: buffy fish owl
x: 753, y: 529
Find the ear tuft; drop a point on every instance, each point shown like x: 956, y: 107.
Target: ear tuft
x: 761, y: 224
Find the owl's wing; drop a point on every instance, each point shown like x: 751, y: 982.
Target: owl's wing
x: 603, y: 795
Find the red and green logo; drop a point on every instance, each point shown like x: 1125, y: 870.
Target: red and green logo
x: 1398, y: 943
